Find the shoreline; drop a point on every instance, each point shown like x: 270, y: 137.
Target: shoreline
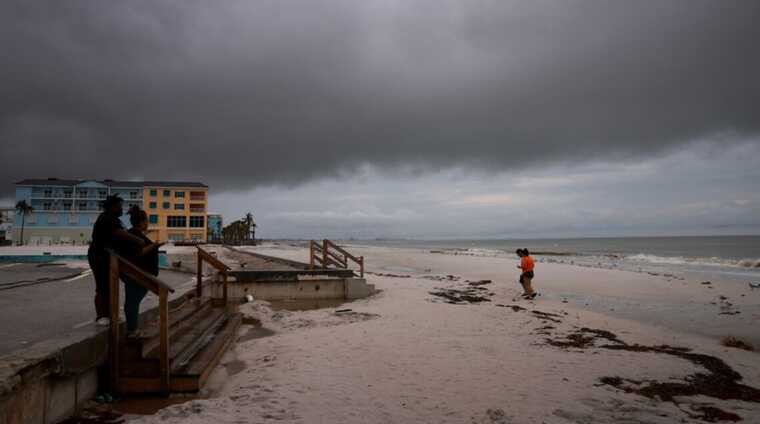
x: 679, y: 302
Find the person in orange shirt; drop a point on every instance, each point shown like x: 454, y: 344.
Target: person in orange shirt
x: 526, y: 277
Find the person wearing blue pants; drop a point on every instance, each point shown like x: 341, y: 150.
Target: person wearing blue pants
x: 146, y: 258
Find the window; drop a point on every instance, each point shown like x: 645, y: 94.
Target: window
x: 167, y: 193
x: 176, y: 221
x: 67, y: 194
x: 153, y: 193
x: 82, y: 206
x: 153, y: 205
x: 179, y: 194
x: 153, y: 219
x: 197, y: 195
x: 82, y: 193
x: 176, y: 237
x: 48, y: 193
x: 166, y: 205
x: 67, y: 206
x: 179, y: 207
x: 47, y: 206
x: 197, y: 207
x: 102, y: 194
x: 133, y: 195
x: 196, y: 221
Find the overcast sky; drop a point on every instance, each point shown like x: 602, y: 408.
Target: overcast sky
x: 399, y: 118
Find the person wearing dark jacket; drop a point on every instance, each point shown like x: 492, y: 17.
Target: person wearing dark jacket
x: 145, y: 258
x: 107, y: 234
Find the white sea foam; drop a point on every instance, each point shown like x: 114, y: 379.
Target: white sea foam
x: 680, y: 260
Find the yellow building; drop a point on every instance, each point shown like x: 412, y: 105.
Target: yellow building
x: 176, y: 211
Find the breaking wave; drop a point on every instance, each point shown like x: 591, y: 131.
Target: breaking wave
x: 680, y: 260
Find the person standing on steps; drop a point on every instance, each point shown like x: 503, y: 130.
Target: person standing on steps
x: 107, y: 233
x: 526, y: 277
x: 145, y: 258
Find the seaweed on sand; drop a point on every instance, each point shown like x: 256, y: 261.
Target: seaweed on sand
x: 720, y: 381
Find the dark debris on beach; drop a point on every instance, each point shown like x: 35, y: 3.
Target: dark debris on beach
x: 720, y: 382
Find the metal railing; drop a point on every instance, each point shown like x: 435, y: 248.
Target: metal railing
x: 323, y: 255
x: 118, y: 266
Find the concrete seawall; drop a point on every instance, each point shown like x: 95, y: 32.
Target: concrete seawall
x: 49, y: 381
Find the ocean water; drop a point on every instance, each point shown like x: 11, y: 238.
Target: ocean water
x: 728, y: 257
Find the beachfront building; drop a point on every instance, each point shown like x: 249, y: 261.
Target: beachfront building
x: 65, y: 210
x: 215, y: 225
x: 6, y: 224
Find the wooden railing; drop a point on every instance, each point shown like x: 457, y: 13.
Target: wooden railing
x: 328, y: 253
x: 120, y: 266
x: 220, y: 266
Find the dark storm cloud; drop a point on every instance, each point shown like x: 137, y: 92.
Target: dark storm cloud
x: 240, y: 94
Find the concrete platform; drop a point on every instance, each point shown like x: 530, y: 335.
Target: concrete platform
x: 56, y: 309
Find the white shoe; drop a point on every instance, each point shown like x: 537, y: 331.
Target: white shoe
x: 103, y: 321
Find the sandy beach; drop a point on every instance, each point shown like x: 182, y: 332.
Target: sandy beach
x: 439, y: 344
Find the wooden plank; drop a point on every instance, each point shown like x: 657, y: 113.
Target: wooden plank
x: 324, y: 253
x: 146, y: 280
x: 216, y: 263
x: 177, y: 328
x: 342, y: 251
x: 113, y: 345
x: 163, y: 305
x: 197, y: 339
x: 224, y: 287
x: 332, y: 262
x: 311, y: 254
x: 199, y: 283
x: 342, y: 261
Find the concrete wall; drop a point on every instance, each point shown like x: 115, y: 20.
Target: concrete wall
x: 48, y: 382
x: 309, y: 289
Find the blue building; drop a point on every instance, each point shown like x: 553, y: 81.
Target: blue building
x: 215, y: 225
x: 65, y: 210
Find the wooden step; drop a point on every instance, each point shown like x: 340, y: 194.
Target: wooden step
x: 178, y: 314
x: 179, y: 331
x: 192, y: 375
x: 193, y: 340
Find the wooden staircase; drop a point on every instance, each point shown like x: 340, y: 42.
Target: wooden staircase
x: 181, y: 345
x: 328, y: 253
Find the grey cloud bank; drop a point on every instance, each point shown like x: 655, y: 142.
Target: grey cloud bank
x: 250, y: 94
x: 715, y: 194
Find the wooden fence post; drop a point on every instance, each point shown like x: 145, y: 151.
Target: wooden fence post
x: 224, y: 287
x: 163, y: 307
x: 113, y: 345
x: 324, y: 253
x: 199, y: 283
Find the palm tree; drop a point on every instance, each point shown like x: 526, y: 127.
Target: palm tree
x: 251, y: 226
x: 23, y: 209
